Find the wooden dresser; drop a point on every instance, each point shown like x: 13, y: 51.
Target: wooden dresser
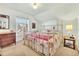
x: 7, y: 39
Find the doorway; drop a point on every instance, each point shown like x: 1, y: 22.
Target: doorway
x: 22, y: 27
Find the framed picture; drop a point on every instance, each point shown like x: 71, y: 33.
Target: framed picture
x: 69, y: 43
x: 33, y: 25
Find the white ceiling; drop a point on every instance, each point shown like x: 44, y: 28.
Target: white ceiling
x: 47, y: 11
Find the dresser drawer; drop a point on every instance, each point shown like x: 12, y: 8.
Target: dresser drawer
x: 6, y: 39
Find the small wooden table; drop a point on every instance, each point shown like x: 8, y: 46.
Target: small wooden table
x: 69, y: 43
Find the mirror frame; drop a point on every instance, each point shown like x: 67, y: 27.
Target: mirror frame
x: 8, y: 18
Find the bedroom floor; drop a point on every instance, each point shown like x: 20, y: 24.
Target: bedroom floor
x: 21, y: 50
x: 18, y: 50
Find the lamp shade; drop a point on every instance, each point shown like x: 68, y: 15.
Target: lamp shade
x: 69, y: 27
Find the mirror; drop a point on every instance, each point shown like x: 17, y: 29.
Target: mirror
x: 4, y: 21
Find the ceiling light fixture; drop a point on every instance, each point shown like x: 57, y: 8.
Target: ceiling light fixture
x: 35, y: 5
